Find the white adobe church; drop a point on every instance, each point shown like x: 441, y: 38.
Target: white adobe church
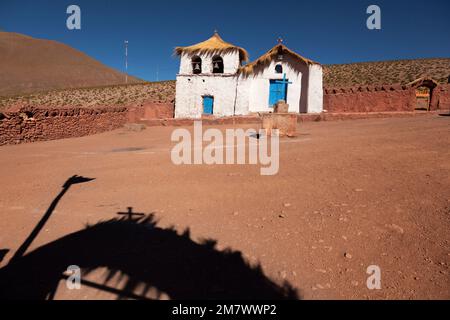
x: 213, y: 80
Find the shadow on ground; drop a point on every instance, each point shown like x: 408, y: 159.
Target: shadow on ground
x: 3, y: 253
x: 147, y: 256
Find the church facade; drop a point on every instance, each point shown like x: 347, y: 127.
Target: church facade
x: 214, y: 80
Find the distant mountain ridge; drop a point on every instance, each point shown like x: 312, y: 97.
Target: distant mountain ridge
x: 386, y: 72
x: 30, y: 65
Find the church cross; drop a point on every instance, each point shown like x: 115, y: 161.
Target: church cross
x: 130, y: 213
x: 284, y: 87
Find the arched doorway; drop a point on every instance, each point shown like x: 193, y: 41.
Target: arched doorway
x: 424, y: 93
x: 423, y: 98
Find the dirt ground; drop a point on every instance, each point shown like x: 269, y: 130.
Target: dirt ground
x: 348, y: 195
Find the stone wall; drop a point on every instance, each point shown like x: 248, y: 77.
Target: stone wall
x: 381, y: 98
x: 39, y: 124
x: 31, y: 124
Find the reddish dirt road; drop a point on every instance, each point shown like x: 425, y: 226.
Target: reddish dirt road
x: 348, y: 195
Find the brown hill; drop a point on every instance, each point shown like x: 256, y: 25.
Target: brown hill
x: 30, y: 65
x: 386, y: 72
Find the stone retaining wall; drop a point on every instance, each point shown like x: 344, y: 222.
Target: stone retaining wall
x: 31, y: 124
x: 152, y: 110
x: 381, y: 98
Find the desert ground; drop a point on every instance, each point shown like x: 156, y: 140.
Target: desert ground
x: 348, y: 195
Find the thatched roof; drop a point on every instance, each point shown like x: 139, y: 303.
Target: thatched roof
x: 214, y: 45
x: 271, y: 55
x: 424, y: 81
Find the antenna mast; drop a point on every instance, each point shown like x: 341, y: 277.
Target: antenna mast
x: 126, y: 61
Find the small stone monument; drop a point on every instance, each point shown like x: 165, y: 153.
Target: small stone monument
x: 281, y: 119
x: 281, y: 107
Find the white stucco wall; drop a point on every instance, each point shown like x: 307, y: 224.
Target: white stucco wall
x: 243, y: 96
x: 315, y: 89
x: 190, y: 90
x: 258, y: 87
x: 230, y: 63
x: 240, y: 95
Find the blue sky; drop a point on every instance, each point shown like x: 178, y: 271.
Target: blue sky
x: 328, y: 31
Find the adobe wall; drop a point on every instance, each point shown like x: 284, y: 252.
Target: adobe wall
x: 151, y: 110
x: 381, y: 98
x: 443, y: 97
x: 369, y: 99
x: 39, y: 124
x: 190, y: 90
x: 30, y: 124
x: 258, y: 85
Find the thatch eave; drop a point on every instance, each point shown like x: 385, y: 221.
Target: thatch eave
x: 214, y: 45
x: 272, y: 54
x: 423, y: 81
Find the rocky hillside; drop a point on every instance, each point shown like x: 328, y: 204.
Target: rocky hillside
x: 385, y: 72
x: 120, y: 95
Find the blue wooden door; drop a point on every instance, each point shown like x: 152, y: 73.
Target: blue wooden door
x: 208, y: 104
x: 277, y: 92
